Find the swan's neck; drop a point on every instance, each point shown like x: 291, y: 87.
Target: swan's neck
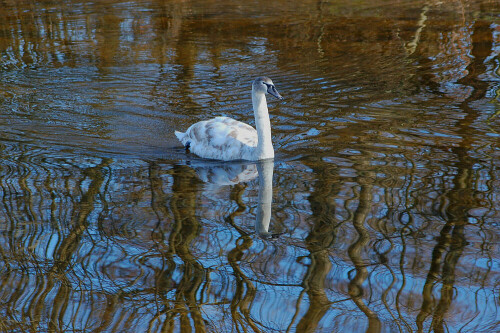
x: 261, y: 113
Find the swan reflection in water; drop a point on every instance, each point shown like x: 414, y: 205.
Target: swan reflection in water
x: 233, y: 173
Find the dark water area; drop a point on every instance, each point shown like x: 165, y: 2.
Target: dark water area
x: 379, y: 213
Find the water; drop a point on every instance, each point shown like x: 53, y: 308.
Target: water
x: 385, y: 186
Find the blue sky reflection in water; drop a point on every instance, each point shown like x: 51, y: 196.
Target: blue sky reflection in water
x: 385, y: 187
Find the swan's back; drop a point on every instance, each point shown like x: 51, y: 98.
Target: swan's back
x: 221, y: 138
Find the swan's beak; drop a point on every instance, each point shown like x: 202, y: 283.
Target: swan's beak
x: 272, y: 90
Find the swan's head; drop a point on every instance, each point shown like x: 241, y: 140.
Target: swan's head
x: 264, y: 85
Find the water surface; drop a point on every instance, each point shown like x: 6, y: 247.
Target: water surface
x: 385, y: 186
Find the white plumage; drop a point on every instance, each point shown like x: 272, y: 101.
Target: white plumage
x: 221, y: 138
x: 224, y: 138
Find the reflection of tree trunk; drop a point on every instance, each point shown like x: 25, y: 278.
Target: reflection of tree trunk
x: 461, y: 197
x: 169, y: 23
x: 355, y: 253
x: 314, y: 284
x: 107, y: 38
x: 241, y: 301
x: 185, y: 229
x: 432, y: 277
x: 452, y: 236
x: 164, y: 276
x: 450, y: 260
x: 318, y: 244
x: 187, y: 58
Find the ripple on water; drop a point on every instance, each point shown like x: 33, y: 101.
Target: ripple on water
x: 385, y: 185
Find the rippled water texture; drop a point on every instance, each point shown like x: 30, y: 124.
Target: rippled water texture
x: 385, y: 187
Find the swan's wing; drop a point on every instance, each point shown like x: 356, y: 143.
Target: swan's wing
x: 240, y: 131
x: 221, y: 138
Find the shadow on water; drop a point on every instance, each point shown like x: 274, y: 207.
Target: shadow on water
x: 379, y: 214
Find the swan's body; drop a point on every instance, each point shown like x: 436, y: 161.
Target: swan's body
x: 224, y: 138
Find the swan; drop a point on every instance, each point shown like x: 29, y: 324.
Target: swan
x: 224, y: 138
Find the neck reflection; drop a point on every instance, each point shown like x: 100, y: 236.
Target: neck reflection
x: 265, y: 169
x: 222, y: 174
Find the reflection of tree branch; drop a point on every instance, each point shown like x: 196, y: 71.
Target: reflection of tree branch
x: 236, y: 194
x: 355, y: 250
x: 412, y: 46
x: 241, y: 302
x: 403, y: 280
x: 70, y: 244
x: 164, y: 277
x: 384, y: 260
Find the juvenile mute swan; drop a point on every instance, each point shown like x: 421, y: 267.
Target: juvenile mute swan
x: 224, y: 138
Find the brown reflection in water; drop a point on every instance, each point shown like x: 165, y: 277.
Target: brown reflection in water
x: 67, y: 249
x: 461, y: 197
x: 245, y: 290
x: 334, y: 37
x: 359, y: 219
x: 51, y: 295
x: 184, y: 231
x: 318, y: 242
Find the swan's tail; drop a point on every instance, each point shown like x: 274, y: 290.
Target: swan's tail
x: 181, y: 136
x: 184, y: 139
